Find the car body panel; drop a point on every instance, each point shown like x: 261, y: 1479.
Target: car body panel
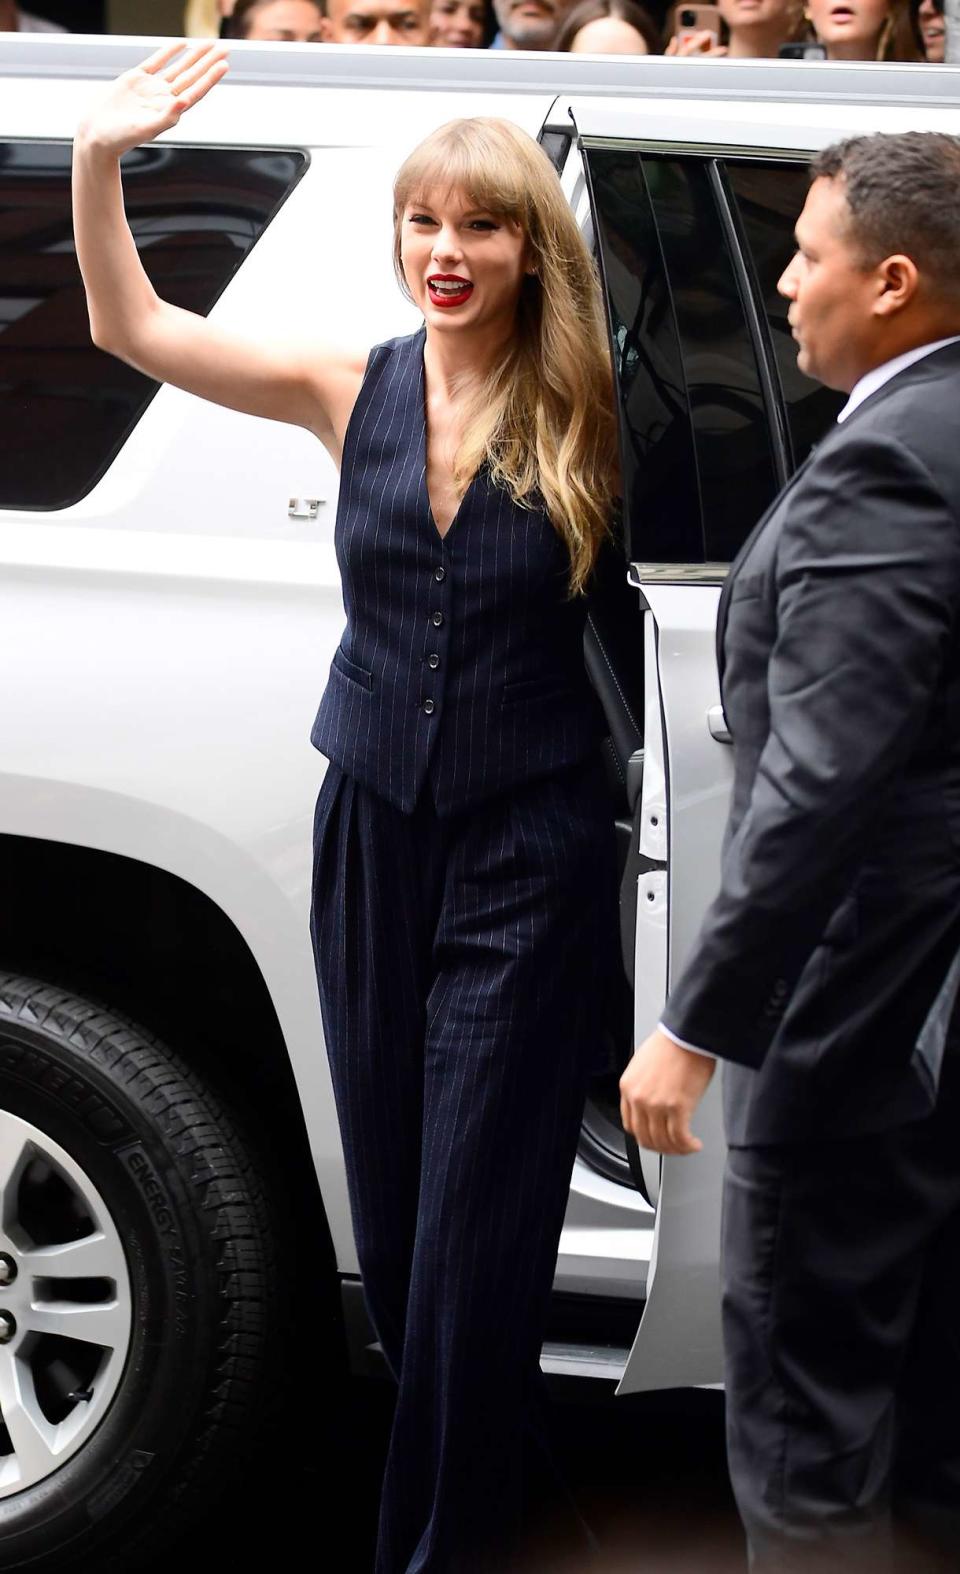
x: 177, y: 623
x: 678, y: 1341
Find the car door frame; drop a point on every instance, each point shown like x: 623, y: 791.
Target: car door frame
x: 688, y: 764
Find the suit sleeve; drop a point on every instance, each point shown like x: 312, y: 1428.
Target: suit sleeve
x: 867, y: 586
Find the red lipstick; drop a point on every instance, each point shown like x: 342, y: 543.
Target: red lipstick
x: 448, y: 289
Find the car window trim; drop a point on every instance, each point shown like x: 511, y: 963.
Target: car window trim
x: 681, y: 147
x: 756, y: 320
x: 584, y: 146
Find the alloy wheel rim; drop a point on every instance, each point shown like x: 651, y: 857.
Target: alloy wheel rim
x: 66, y: 1310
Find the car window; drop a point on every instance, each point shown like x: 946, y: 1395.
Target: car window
x: 697, y: 416
x: 768, y: 200
x: 731, y: 420
x: 662, y: 519
x: 66, y: 408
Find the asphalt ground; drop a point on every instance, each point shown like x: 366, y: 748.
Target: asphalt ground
x: 648, y: 1473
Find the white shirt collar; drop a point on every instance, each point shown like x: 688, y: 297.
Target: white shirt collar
x: 871, y: 381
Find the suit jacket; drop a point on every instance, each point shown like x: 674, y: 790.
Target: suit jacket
x: 462, y: 661
x: 823, y: 971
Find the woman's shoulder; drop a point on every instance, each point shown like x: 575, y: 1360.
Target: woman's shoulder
x: 406, y: 344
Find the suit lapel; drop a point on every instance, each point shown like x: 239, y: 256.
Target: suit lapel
x: 743, y: 554
x: 919, y: 371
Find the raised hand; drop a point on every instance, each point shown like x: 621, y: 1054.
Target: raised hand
x: 151, y: 97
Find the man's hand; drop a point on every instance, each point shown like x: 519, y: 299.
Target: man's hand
x: 659, y: 1091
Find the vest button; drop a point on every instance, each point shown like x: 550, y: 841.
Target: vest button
x: 433, y: 660
x: 437, y: 620
x: 429, y: 707
x: 440, y: 574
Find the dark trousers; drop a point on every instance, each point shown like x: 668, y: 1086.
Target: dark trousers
x: 841, y: 1306
x: 461, y: 964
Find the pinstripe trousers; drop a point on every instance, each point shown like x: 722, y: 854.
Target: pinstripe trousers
x: 462, y: 962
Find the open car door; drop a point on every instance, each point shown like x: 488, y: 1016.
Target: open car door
x: 688, y: 766
x: 713, y: 417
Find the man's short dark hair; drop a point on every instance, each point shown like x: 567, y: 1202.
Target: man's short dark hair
x: 903, y: 192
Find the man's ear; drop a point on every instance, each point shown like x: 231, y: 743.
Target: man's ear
x: 897, y: 281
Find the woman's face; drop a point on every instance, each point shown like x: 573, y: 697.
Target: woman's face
x: 286, y: 22
x: 608, y: 35
x: 464, y: 266
x: 852, y: 25
x: 757, y: 13
x: 932, y: 30
x: 457, y: 24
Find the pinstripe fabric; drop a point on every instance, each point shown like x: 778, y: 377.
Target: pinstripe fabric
x: 464, y: 913
x: 462, y: 659
x: 461, y: 963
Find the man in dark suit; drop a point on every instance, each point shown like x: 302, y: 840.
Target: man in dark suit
x: 827, y: 967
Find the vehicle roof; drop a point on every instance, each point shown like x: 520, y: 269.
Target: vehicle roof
x: 337, y: 65
x: 365, y: 86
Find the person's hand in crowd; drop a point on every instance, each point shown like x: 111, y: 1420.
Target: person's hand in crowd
x: 700, y: 43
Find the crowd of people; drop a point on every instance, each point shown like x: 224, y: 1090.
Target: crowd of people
x: 904, y: 30
x: 899, y: 30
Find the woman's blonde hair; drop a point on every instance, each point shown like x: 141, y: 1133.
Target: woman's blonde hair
x: 201, y: 19
x: 543, y: 419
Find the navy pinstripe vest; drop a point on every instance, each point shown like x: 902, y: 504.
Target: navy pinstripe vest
x: 462, y: 659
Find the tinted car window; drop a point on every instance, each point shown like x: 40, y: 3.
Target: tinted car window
x: 769, y: 198
x: 698, y: 406
x: 662, y: 521
x: 66, y: 408
x: 731, y: 420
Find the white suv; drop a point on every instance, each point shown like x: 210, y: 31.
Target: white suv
x: 172, y: 1180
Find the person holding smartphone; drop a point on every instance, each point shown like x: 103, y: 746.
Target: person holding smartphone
x: 737, y: 29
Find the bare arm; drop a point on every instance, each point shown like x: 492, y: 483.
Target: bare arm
x: 129, y: 319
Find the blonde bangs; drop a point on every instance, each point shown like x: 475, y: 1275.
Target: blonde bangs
x: 542, y: 421
x: 452, y: 160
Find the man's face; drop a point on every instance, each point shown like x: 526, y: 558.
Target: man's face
x: 830, y: 292
x: 530, y: 24
x: 377, y: 22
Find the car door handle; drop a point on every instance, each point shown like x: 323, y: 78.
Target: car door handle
x: 717, y: 722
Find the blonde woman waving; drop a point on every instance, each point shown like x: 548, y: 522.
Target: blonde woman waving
x: 464, y: 904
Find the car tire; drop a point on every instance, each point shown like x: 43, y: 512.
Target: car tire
x: 116, y: 1129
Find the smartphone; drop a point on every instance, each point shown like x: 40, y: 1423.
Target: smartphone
x: 692, y: 19
x: 802, y: 52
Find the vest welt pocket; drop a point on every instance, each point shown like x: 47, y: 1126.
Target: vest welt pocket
x: 349, y: 669
x: 540, y: 688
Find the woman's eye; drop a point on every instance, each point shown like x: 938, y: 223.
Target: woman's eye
x: 420, y: 218
x: 483, y: 224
